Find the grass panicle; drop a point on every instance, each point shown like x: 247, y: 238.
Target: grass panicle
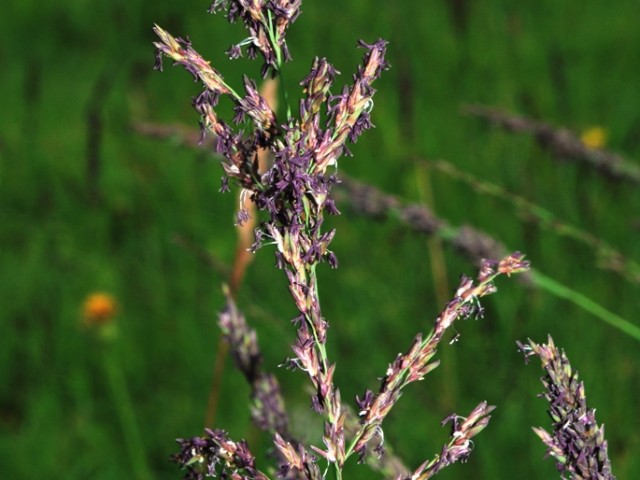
x: 292, y: 195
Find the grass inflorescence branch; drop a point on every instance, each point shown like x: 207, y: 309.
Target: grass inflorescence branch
x: 291, y: 197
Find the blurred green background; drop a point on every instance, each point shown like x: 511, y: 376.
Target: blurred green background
x: 87, y: 205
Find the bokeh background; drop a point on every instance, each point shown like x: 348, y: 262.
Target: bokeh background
x: 87, y: 205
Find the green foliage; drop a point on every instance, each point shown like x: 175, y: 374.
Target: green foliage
x: 571, y: 64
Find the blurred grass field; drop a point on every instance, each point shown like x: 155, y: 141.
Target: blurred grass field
x: 65, y: 234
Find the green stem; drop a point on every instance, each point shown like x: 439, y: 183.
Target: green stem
x: 127, y: 417
x: 613, y: 259
x: 279, y: 61
x: 285, y: 93
x: 233, y: 92
x: 448, y: 233
x: 338, y: 471
x: 585, y: 303
x: 273, y: 39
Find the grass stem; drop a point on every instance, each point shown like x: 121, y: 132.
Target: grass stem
x: 127, y: 417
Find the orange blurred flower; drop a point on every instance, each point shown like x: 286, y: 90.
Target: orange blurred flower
x: 98, y: 309
x: 594, y: 137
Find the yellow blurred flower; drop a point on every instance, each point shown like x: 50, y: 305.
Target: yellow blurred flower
x: 98, y: 309
x: 594, y: 137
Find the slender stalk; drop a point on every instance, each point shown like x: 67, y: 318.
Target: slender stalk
x: 126, y: 416
x: 607, y: 256
x: 560, y: 290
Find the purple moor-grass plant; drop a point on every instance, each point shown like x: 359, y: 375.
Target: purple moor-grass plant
x: 293, y: 195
